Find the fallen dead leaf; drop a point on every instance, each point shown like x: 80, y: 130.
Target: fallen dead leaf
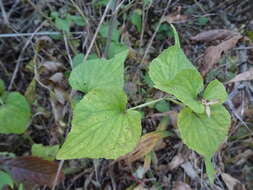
x: 179, y: 185
x: 213, y: 53
x: 211, y: 35
x: 57, y: 78
x: 172, y: 18
x: 189, y: 170
x: 51, y: 74
x: 175, y: 16
x: 30, y: 170
x: 248, y: 75
x: 176, y: 162
x: 146, y: 145
x: 59, y: 110
x: 52, y: 66
x: 232, y: 183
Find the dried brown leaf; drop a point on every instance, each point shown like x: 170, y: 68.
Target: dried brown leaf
x: 213, y: 53
x: 179, y: 185
x: 57, y: 102
x: 30, y: 170
x: 146, y: 145
x: 52, y: 66
x: 232, y: 183
x: 211, y: 35
x: 248, y: 75
x: 189, y: 170
x: 176, y: 16
x: 176, y: 161
x: 57, y: 78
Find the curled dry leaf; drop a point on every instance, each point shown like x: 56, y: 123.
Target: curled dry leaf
x: 248, y: 75
x: 176, y: 161
x: 232, y: 183
x: 189, y: 170
x: 30, y: 171
x: 173, y: 18
x: 57, y: 100
x: 146, y: 145
x: 176, y: 16
x: 179, y: 185
x: 52, y: 76
x: 213, y: 53
x: 52, y: 66
x: 211, y: 35
x: 57, y: 78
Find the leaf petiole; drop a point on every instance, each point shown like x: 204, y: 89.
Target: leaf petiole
x: 155, y: 101
x: 172, y: 99
x: 146, y: 104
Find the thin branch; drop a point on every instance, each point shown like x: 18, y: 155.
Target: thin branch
x: 11, y: 35
x: 80, y: 11
x: 144, y: 16
x: 21, y: 54
x: 5, y: 16
x: 151, y: 41
x: 57, y: 174
x: 67, y: 49
x: 110, y: 30
x: 97, y: 30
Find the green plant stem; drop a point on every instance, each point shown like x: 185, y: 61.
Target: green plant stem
x: 174, y: 101
x: 155, y: 101
x: 146, y: 104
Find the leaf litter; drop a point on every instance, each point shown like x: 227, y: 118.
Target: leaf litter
x: 165, y: 155
x: 213, y: 54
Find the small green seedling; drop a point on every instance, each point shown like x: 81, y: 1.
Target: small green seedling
x: 15, y: 112
x: 115, y: 45
x: 103, y: 127
x: 6, y: 180
x: 66, y: 22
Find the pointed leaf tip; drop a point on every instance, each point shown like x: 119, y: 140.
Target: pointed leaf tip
x: 176, y: 37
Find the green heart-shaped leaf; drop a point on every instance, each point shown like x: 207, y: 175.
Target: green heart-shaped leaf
x: 99, y: 73
x: 102, y: 127
x: 202, y: 133
x: 173, y: 73
x: 168, y: 64
x: 215, y: 91
x: 14, y: 114
x: 186, y: 86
